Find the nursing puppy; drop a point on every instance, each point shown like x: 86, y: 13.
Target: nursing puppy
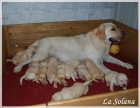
x: 15, y: 60
x: 29, y: 52
x: 76, y: 90
x: 117, y: 79
x: 31, y: 72
x: 42, y: 73
x: 83, y: 72
x: 94, y: 45
x: 22, y: 55
x: 93, y: 69
x: 71, y: 69
x: 52, y: 71
x: 61, y: 73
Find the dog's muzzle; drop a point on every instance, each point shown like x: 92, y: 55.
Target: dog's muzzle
x: 117, y: 40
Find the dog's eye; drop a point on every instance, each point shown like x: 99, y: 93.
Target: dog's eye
x: 121, y: 81
x: 113, y: 29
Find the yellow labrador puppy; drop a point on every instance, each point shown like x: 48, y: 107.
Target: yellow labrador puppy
x: 61, y: 72
x: 52, y: 71
x: 83, y: 72
x: 94, y: 45
x: 31, y: 72
x: 22, y: 55
x: 117, y: 79
x: 76, y: 90
x: 71, y: 69
x: 93, y: 69
x: 42, y: 73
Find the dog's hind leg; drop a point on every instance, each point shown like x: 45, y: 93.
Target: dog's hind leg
x: 36, y: 57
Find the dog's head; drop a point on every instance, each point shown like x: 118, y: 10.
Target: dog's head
x: 122, y: 80
x: 109, y: 32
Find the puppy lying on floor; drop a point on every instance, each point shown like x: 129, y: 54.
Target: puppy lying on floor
x: 117, y: 79
x: 83, y: 72
x: 76, y: 90
x: 42, y: 73
x: 71, y: 69
x: 61, y: 72
x: 52, y: 71
x: 93, y: 69
x: 31, y: 72
x: 22, y: 55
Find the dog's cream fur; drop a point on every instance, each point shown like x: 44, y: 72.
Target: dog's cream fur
x: 42, y: 73
x: 83, y: 72
x: 117, y: 79
x: 70, y: 69
x: 31, y: 72
x: 76, y: 90
x: 22, y: 55
x: 52, y: 71
x: 61, y: 72
x: 93, y: 69
x: 94, y: 45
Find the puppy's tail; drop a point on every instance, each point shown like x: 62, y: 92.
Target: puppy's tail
x: 87, y: 82
x: 58, y: 81
x: 72, y: 76
x: 21, y: 79
x: 36, y: 79
x: 53, y: 76
x: 95, y: 79
x: 8, y: 60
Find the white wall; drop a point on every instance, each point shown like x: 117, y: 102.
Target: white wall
x: 36, y: 12
x: 127, y: 13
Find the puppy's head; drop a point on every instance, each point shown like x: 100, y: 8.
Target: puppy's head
x: 109, y: 32
x: 122, y: 80
x: 43, y: 63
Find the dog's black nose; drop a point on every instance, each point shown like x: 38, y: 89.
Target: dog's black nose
x: 124, y: 85
x: 123, y: 33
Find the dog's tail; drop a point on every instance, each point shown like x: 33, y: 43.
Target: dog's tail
x: 53, y: 76
x: 87, y: 82
x: 35, y: 43
x: 21, y: 79
x: 36, y: 79
x: 72, y: 76
x: 94, y: 79
x: 58, y: 80
x: 8, y: 60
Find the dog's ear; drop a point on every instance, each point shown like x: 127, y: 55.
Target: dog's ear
x: 100, y: 33
x: 116, y: 78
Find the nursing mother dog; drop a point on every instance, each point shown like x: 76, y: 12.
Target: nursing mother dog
x: 94, y: 45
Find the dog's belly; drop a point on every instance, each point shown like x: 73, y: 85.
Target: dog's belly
x: 66, y: 55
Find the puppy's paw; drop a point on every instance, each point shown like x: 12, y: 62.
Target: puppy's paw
x: 112, y: 90
x: 55, y: 86
x: 17, y: 69
x: 126, y: 65
x: 45, y: 83
x: 124, y: 88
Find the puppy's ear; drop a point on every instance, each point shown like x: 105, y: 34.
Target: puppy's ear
x: 84, y: 62
x: 116, y: 78
x: 59, y: 63
x: 101, y: 33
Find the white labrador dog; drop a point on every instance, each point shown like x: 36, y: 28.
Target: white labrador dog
x: 94, y: 45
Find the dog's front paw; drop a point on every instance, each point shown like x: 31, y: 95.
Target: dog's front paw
x: 128, y: 66
x: 17, y: 69
x: 55, y: 86
x: 112, y: 90
x: 124, y: 88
